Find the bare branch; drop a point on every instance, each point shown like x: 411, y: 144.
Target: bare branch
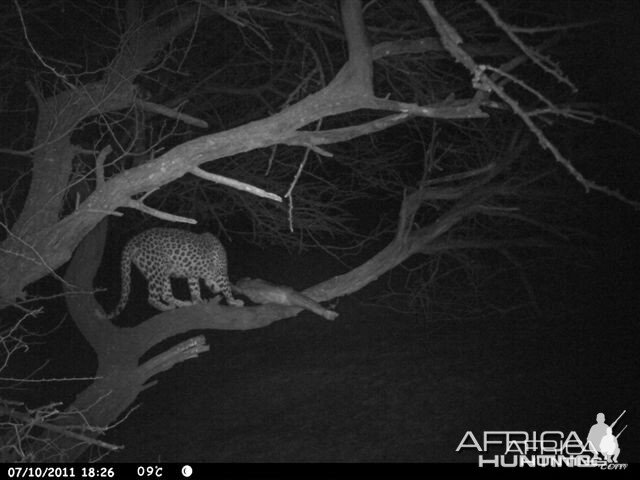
x: 433, y: 44
x: 172, y: 113
x: 548, y: 145
x: 138, y: 205
x: 245, y: 187
x: 33, y: 49
x: 358, y: 43
x: 104, y: 153
x: 191, y: 348
x: 540, y: 60
x: 66, y: 430
x: 485, y: 83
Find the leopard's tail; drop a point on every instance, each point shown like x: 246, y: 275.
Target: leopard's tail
x: 125, y: 289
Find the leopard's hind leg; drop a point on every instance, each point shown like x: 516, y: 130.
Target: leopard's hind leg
x: 194, y: 289
x: 166, y: 295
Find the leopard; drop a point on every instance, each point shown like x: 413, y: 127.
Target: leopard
x: 163, y: 253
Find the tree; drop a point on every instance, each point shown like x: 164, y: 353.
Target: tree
x: 308, y: 81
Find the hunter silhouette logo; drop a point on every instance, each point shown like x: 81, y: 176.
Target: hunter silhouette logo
x: 602, y: 441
